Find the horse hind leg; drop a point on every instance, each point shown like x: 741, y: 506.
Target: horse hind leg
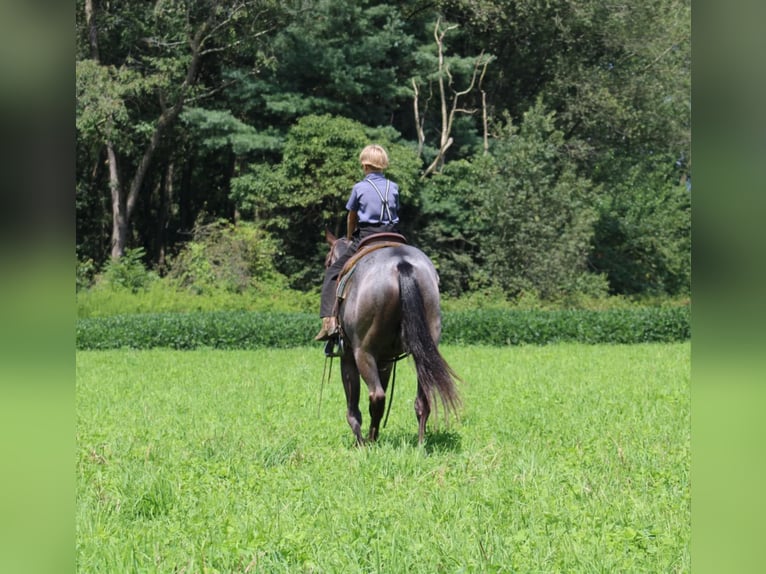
x: 377, y: 408
x: 369, y: 370
x: 422, y: 411
x: 350, y: 376
x: 378, y: 401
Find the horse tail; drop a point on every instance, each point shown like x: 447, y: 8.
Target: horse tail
x: 435, y: 376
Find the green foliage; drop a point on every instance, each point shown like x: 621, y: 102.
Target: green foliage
x: 532, y: 327
x: 85, y: 274
x: 128, y: 272
x: 540, y: 210
x: 342, y: 58
x: 643, y: 235
x: 219, y: 129
x: 304, y: 194
x: 166, y: 296
x: 247, y: 330
x: 225, y: 256
x: 101, y: 110
x: 319, y: 161
x: 566, y: 458
x: 618, y: 79
x: 452, y: 224
x: 220, y: 330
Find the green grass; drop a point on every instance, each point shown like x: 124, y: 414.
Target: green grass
x: 162, y: 297
x: 566, y: 458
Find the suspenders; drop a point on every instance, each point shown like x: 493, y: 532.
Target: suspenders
x: 384, y: 209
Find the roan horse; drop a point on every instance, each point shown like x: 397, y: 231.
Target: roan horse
x: 390, y: 308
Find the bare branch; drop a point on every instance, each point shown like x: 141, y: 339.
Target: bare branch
x: 439, y: 37
x: 223, y: 23
x: 438, y: 159
x: 209, y: 92
x: 658, y: 58
x: 220, y: 48
x: 448, y: 115
x: 418, y: 121
x: 484, y: 120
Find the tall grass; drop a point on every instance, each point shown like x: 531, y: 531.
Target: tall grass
x: 162, y: 296
x: 566, y: 458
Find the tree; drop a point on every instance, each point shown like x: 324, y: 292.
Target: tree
x: 642, y: 239
x: 618, y: 76
x: 342, y: 58
x: 541, y: 211
x: 448, y: 94
x: 148, y: 59
x: 189, y: 110
x: 452, y: 223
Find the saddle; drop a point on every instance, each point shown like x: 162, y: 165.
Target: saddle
x: 366, y: 246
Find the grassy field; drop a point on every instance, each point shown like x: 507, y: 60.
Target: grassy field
x: 566, y: 458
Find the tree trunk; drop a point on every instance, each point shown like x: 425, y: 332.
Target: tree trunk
x: 165, y: 200
x: 123, y: 205
x: 445, y: 139
x: 92, y: 30
x: 119, y: 211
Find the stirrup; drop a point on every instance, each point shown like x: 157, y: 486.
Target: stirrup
x: 329, y: 348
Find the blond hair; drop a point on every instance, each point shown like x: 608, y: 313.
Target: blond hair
x: 374, y: 156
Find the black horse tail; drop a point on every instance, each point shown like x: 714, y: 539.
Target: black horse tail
x: 435, y: 376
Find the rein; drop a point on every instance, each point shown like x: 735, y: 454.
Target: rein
x: 329, y: 355
x: 321, y: 386
x: 393, y: 384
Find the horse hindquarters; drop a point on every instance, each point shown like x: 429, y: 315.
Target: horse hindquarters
x: 435, y: 377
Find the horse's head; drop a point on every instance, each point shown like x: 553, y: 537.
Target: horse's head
x: 338, y: 246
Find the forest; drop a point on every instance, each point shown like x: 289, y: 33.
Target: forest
x: 541, y: 146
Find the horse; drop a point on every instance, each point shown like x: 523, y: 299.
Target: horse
x: 391, y: 308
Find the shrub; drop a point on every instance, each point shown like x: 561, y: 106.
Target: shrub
x: 621, y: 326
x: 642, y: 239
x: 220, y: 330
x: 128, y: 272
x: 85, y: 274
x: 246, y: 330
x: 225, y: 256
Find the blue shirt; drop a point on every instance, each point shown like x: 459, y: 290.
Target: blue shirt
x: 373, y: 205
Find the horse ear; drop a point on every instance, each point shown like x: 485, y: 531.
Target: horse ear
x: 329, y: 237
